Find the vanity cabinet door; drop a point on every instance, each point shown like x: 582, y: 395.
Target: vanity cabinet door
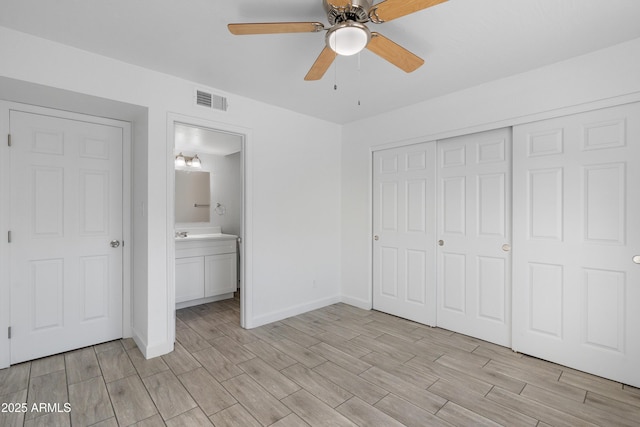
x: 220, y: 274
x: 189, y: 278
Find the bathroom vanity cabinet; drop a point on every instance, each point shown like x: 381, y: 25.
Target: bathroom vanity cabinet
x: 206, y: 269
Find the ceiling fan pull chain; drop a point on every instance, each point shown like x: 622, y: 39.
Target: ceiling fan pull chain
x: 335, y: 74
x: 359, y: 79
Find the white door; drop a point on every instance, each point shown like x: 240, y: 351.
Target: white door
x: 576, y: 288
x: 66, y: 208
x: 404, y: 230
x: 474, y: 234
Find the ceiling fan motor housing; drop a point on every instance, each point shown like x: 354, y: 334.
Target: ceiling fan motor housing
x: 356, y: 10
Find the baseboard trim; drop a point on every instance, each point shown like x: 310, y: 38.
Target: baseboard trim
x: 149, y: 352
x: 292, y: 311
x: 158, y: 350
x: 200, y: 301
x: 357, y: 302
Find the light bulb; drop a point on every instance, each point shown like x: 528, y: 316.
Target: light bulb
x: 180, y: 160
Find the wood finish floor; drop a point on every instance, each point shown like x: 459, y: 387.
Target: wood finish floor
x: 337, y: 366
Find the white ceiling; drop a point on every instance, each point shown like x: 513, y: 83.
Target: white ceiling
x: 464, y: 43
x: 196, y: 140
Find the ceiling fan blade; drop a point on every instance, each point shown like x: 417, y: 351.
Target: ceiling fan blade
x: 394, y: 53
x: 392, y: 9
x: 321, y: 65
x: 275, y: 28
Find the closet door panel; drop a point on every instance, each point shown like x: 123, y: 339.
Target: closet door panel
x: 576, y: 291
x: 404, y: 232
x: 474, y: 233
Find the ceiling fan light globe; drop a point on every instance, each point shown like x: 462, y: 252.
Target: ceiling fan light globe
x: 348, y: 38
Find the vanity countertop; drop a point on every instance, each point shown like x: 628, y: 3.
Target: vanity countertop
x: 186, y: 234
x: 206, y: 236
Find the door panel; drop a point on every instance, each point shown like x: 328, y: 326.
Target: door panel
x: 474, y: 222
x: 389, y: 272
x: 404, y: 221
x: 546, y: 290
x: 454, y: 279
x: 576, y: 293
x: 46, y: 280
x: 492, y: 288
x: 66, y: 196
x: 491, y: 209
x: 389, y: 208
x: 604, y: 210
x: 416, y: 275
x: 545, y: 192
x: 94, y: 285
x: 453, y: 207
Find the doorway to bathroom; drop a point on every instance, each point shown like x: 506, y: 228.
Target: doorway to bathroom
x: 207, y: 225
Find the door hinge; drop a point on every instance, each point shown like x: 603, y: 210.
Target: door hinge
x: 9, y: 332
x: 9, y: 140
x: 9, y: 236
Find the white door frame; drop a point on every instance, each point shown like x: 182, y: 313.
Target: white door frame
x: 246, y: 279
x: 5, y: 215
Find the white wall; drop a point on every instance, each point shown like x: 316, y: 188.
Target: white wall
x: 557, y: 89
x: 293, y: 165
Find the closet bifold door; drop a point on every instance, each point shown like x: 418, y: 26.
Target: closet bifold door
x: 403, y: 239
x: 474, y: 235
x: 576, y: 287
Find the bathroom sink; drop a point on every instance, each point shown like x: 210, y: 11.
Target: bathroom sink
x: 202, y: 233
x: 209, y: 236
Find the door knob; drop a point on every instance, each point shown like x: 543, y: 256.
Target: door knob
x: 115, y: 243
x: 506, y: 247
x: 376, y: 237
x: 440, y: 242
x: 636, y: 259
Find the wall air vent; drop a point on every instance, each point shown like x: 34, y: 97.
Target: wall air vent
x: 209, y: 100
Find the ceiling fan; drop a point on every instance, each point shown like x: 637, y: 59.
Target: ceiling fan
x: 348, y: 33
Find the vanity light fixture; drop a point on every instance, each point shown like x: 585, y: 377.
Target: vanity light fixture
x: 182, y: 161
x: 195, y: 162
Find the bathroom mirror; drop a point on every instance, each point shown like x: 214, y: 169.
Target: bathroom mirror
x: 193, y: 196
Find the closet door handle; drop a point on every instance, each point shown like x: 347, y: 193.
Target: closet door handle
x: 636, y: 259
x: 440, y: 242
x: 376, y: 237
x: 506, y: 247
